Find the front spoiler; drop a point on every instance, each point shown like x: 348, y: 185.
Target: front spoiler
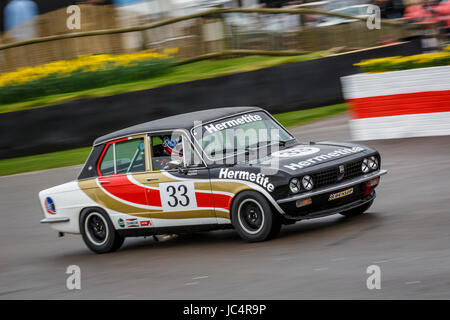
x: 345, y: 184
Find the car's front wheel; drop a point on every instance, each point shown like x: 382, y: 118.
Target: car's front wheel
x: 252, y: 217
x: 358, y: 210
x: 98, y: 232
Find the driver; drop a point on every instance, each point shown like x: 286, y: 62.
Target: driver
x: 163, y: 149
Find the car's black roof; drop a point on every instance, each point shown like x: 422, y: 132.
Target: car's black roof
x: 179, y: 121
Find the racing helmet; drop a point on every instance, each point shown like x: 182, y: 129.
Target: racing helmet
x: 172, y: 146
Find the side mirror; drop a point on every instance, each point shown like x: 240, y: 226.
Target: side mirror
x: 174, y: 164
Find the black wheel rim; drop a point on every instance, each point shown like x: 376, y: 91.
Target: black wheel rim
x: 96, y: 228
x: 251, y: 216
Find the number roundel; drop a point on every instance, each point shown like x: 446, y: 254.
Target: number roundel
x: 177, y: 196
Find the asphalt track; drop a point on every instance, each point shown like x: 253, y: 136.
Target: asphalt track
x: 406, y: 233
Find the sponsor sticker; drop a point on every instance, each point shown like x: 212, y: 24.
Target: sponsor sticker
x: 132, y: 223
x: 145, y: 223
x: 340, y: 194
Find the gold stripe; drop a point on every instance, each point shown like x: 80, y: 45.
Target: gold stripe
x: 228, y: 186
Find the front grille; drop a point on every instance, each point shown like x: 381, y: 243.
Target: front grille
x: 325, y: 177
x: 353, y: 169
x: 331, y: 176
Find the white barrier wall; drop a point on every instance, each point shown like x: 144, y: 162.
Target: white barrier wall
x: 399, y: 104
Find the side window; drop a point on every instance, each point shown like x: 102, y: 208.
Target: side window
x: 165, y: 148
x: 123, y: 157
x: 107, y: 164
x: 130, y: 156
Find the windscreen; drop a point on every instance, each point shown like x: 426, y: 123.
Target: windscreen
x: 241, y: 133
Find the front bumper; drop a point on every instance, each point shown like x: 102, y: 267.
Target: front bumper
x: 55, y: 220
x: 322, y: 206
x: 335, y: 187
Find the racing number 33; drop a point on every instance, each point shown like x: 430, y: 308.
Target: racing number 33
x: 177, y: 196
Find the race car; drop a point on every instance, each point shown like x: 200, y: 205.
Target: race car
x: 214, y: 169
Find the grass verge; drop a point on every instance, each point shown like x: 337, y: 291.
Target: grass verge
x: 178, y: 74
x: 297, y: 118
x: 78, y: 156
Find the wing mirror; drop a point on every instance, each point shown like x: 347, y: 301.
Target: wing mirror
x: 174, y: 164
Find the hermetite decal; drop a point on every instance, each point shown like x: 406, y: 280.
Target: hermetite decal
x: 318, y: 159
x: 230, y: 123
x: 258, y: 178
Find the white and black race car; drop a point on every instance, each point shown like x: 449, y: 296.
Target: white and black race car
x: 207, y: 170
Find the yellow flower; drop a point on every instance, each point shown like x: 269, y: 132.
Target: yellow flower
x: 407, y: 62
x: 85, y: 63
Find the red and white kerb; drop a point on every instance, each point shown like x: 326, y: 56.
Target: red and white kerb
x: 399, y: 104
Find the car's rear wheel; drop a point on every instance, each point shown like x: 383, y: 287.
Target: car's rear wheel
x: 252, y: 217
x: 358, y: 210
x: 98, y: 232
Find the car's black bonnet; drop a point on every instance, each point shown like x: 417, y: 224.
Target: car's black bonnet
x: 302, y: 156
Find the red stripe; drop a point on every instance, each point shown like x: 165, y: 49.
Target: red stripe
x: 400, y: 104
x: 121, y: 187
x: 205, y: 200
x: 222, y: 201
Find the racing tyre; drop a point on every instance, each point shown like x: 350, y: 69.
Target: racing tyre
x: 98, y: 232
x: 252, y: 217
x: 358, y: 210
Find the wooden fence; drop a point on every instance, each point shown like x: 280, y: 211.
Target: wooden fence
x: 106, y: 30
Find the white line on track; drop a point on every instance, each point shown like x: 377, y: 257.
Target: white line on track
x: 191, y: 283
x: 412, y: 282
x: 320, y: 269
x: 337, y: 259
x: 201, y: 277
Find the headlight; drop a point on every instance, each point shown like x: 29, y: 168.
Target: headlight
x: 365, y: 165
x: 373, y: 163
x: 294, y: 185
x: 307, y: 183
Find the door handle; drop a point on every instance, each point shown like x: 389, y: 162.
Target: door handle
x: 152, y: 179
x: 104, y: 181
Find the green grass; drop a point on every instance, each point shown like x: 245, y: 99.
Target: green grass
x: 296, y: 118
x: 178, y: 74
x: 44, y: 161
x: 79, y: 156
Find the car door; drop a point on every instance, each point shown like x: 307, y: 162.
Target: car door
x: 121, y: 164
x: 183, y: 195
